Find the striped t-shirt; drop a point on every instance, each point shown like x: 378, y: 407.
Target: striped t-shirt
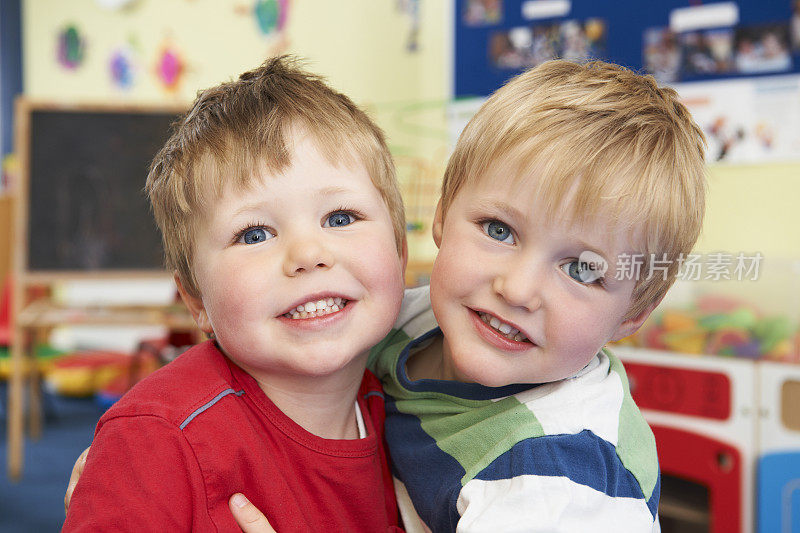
x: 572, y: 455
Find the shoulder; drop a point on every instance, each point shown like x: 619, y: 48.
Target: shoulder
x: 594, y: 415
x: 415, y: 319
x: 175, y: 390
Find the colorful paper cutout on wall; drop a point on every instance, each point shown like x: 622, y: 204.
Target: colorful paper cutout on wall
x: 271, y: 15
x: 170, y: 68
x: 411, y: 9
x: 71, y: 47
x: 122, y: 68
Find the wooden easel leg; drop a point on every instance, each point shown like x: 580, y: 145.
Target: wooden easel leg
x: 16, y: 408
x: 35, y: 385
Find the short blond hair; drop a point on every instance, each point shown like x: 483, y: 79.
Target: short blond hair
x: 606, y: 140
x: 237, y: 128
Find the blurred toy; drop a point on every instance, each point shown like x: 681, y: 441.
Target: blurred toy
x: 718, y: 325
x: 83, y: 373
x: 148, y: 357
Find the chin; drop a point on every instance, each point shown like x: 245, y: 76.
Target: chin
x: 480, y: 376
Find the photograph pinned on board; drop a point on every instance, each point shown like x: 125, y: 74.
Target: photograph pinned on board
x: 661, y: 54
x: 483, y: 12
x: 706, y: 52
x: 528, y: 46
x: 763, y: 48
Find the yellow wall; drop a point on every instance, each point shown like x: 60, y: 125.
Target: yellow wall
x: 360, y: 45
x: 753, y: 208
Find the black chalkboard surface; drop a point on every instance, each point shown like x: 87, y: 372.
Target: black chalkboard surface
x: 85, y: 169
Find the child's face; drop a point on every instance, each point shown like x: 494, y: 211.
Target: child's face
x: 313, y: 233
x: 502, y: 264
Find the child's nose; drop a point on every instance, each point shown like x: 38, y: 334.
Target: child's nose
x: 520, y: 285
x: 306, y: 255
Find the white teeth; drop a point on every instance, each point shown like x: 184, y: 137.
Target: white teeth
x: 508, y: 331
x: 317, y: 308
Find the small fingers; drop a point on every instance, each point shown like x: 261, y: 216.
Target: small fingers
x: 77, y: 470
x: 249, y: 518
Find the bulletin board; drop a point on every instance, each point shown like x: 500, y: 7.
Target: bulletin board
x: 83, y: 171
x: 497, y: 39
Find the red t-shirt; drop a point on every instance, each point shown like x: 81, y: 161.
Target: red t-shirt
x: 171, y: 452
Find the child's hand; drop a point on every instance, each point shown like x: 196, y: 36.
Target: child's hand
x: 77, y: 470
x: 249, y: 518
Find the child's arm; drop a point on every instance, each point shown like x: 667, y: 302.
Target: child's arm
x: 140, y: 475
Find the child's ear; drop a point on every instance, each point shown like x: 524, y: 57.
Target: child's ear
x: 195, y: 305
x: 436, y: 229
x: 404, y: 254
x: 630, y: 326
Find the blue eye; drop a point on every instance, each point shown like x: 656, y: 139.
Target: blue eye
x: 254, y: 236
x: 583, y: 273
x: 498, y: 231
x: 338, y: 219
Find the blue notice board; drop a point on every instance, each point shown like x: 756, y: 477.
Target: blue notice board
x: 497, y: 39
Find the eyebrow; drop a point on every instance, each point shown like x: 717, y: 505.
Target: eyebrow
x: 591, y: 248
x: 497, y: 205
x: 331, y: 190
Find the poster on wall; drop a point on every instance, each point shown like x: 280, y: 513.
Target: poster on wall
x: 747, y: 120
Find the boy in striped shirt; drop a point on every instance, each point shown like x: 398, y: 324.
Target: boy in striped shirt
x: 504, y: 410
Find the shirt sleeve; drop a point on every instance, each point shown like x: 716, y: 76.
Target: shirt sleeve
x: 140, y: 475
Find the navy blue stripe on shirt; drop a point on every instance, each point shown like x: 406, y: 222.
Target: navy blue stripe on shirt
x: 584, y: 458
x: 435, y: 475
x: 652, y: 503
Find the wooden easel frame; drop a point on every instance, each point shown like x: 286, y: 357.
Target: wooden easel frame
x: 33, y: 320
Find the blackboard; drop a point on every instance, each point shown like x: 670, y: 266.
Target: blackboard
x: 85, y: 170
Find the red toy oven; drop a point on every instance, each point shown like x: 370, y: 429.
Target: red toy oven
x: 701, y: 410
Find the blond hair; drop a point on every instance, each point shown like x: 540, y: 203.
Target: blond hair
x: 236, y: 128
x: 606, y: 140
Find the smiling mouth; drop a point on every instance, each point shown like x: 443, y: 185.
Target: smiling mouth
x: 506, y: 330
x: 317, y: 308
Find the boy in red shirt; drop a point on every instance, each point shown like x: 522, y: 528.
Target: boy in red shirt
x: 281, y: 218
